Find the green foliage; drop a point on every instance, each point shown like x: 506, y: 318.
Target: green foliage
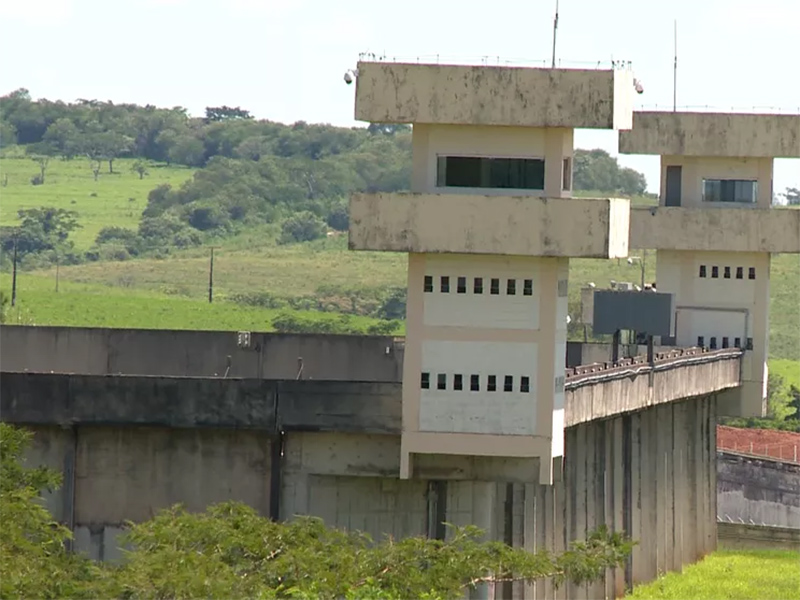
x: 298, y: 322
x: 42, y: 230
x: 304, y: 226
x: 231, y: 551
x: 783, y: 405
x: 597, y: 170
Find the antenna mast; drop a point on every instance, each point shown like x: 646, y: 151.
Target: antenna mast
x: 675, y: 71
x: 555, y: 30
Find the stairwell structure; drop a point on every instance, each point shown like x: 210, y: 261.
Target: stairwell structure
x: 715, y: 230
x: 489, y: 227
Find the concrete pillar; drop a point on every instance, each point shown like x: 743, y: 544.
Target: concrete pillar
x: 484, y: 505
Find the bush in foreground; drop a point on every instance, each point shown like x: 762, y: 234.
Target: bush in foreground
x: 230, y: 551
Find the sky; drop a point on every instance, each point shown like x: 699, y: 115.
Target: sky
x: 284, y: 60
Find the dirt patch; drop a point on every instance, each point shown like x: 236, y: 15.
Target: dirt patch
x: 783, y: 445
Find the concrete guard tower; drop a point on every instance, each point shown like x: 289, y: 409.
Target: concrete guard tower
x: 489, y: 227
x: 715, y: 229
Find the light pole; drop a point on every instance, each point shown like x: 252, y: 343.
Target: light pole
x: 642, y: 260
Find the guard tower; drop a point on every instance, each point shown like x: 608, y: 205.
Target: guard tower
x: 715, y: 229
x: 489, y: 227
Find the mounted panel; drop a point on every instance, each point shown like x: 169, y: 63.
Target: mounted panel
x: 494, y: 95
x: 712, y: 134
x: 477, y: 224
x: 650, y: 312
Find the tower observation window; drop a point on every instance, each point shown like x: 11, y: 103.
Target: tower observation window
x: 489, y: 172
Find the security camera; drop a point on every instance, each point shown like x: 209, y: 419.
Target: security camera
x: 350, y: 75
x: 630, y: 261
x: 638, y: 86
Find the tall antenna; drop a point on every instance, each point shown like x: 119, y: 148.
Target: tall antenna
x: 675, y: 72
x: 555, y: 30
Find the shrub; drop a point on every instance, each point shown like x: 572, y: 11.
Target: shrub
x: 303, y: 226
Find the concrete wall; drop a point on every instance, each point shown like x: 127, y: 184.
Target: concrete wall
x: 649, y: 473
x: 493, y: 95
x: 198, y: 353
x: 712, y: 134
x: 773, y: 230
x: 758, y: 491
x: 511, y: 225
x: 736, y: 536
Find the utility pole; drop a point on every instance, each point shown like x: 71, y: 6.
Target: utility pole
x: 555, y: 30
x: 14, y: 273
x: 211, y: 277
x: 675, y: 71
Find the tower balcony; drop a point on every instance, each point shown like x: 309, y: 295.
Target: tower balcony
x: 774, y: 230
x: 479, y: 224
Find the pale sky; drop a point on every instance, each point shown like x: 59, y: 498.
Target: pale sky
x: 284, y: 59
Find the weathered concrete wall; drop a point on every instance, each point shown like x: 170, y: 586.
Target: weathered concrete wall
x: 198, y: 353
x: 712, y: 134
x: 773, y: 230
x: 508, y: 225
x: 493, y: 95
x: 649, y: 473
x: 758, y: 491
x: 737, y: 536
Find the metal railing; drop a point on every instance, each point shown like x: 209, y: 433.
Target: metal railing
x: 782, y: 451
x: 488, y: 60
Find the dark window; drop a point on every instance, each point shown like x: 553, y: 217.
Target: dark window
x: 527, y: 287
x: 714, y: 272
x: 730, y: 190
x: 737, y: 342
x: 425, y: 383
x: 724, y: 342
x: 749, y: 344
x: 726, y: 273
x: 428, y: 287
x: 508, y: 383
x: 673, y: 185
x: 445, y: 284
x: 713, y: 344
x: 475, y: 383
x: 478, y: 289
x: 441, y: 381
x: 524, y: 384
x: 458, y: 382
x: 702, y: 270
x: 495, y: 287
x: 701, y: 341
x: 461, y: 287
x: 751, y: 273
x: 491, y: 385
x: 484, y: 172
x: 511, y: 287
x: 739, y: 273
x: 566, y: 174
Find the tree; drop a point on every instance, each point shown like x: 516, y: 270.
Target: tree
x: 597, y: 171
x: 8, y: 134
x: 303, y: 226
x: 225, y: 113
x: 40, y: 153
x: 64, y: 136
x: 792, y: 196
x: 41, y: 229
x: 140, y: 167
x: 187, y: 150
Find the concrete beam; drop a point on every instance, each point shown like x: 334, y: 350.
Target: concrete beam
x: 712, y: 134
x: 475, y: 224
x: 775, y: 230
x: 494, y: 95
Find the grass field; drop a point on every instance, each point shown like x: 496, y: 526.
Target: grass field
x: 114, y: 199
x: 730, y: 575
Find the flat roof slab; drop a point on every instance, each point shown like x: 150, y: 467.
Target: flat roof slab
x: 494, y: 95
x: 712, y: 134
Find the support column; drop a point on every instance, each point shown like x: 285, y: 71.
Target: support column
x: 484, y: 506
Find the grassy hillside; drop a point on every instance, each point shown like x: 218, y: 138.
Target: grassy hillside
x: 114, y: 199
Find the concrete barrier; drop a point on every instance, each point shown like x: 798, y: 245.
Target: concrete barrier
x: 738, y: 536
x: 93, y: 351
x: 758, y: 490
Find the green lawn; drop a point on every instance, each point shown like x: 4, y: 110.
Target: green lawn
x: 730, y: 575
x: 114, y: 199
x: 92, y: 305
